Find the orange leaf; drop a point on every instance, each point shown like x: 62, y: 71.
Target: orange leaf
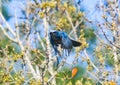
x: 112, y: 83
x: 74, y: 71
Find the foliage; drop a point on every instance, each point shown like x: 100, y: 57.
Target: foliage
x: 26, y: 57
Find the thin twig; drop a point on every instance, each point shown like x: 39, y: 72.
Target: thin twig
x: 108, y: 39
x: 73, y: 27
x: 6, y: 34
x: 42, y: 44
x: 11, y: 30
x: 76, y: 26
x: 94, y: 77
x: 90, y: 61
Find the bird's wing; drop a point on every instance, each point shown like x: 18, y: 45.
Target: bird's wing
x: 66, y: 42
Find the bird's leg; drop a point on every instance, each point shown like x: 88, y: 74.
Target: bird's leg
x: 57, y: 62
x: 69, y: 51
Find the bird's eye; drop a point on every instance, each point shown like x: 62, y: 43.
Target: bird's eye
x: 51, y: 33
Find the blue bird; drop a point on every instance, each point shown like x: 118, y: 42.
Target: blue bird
x: 61, y: 38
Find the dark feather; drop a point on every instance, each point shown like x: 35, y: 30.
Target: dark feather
x: 75, y: 43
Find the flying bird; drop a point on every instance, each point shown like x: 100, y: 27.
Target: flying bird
x: 61, y: 38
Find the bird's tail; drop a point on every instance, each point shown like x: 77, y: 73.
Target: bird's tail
x: 75, y: 43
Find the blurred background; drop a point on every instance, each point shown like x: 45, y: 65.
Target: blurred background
x: 27, y: 57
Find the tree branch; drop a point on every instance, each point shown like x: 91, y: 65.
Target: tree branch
x: 7, y: 24
x: 49, y: 57
x: 6, y: 34
x: 108, y: 39
x: 90, y: 61
x: 73, y: 27
x: 26, y: 54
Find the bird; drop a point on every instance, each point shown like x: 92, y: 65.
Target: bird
x: 61, y: 38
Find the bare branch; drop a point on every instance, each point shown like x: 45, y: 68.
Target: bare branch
x: 25, y: 53
x: 39, y: 38
x: 49, y: 62
x: 70, y: 20
x: 11, y: 30
x: 76, y: 26
x: 6, y: 34
x: 90, y: 61
x: 108, y: 39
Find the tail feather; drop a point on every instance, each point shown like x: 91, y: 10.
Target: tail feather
x: 76, y: 43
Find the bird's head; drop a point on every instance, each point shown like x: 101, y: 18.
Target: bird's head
x: 55, y: 36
